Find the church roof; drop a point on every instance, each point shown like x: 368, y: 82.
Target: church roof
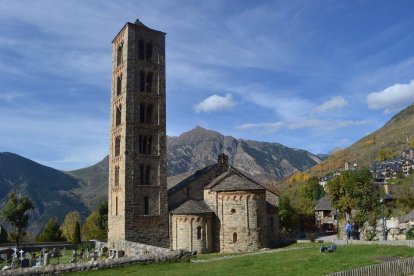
x: 174, y: 187
x: 324, y: 204
x: 236, y: 182
x: 192, y: 207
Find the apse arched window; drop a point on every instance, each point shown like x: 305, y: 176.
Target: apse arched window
x: 118, y: 116
x: 148, y: 85
x: 146, y: 205
x: 234, y: 237
x: 141, y: 81
x: 149, y: 114
x: 149, y: 51
x: 147, y: 175
x: 199, y: 233
x: 141, y: 46
x: 117, y: 146
x: 142, y: 113
x: 119, y: 57
x: 119, y: 85
x: 116, y: 176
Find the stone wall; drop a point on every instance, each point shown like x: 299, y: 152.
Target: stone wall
x: 192, y: 232
x: 243, y: 221
x: 161, y: 256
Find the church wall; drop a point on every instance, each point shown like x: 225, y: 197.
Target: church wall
x: 192, y: 232
x: 243, y: 221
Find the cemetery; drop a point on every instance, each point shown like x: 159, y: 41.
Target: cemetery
x: 38, y: 256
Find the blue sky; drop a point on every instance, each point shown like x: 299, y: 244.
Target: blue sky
x: 315, y: 75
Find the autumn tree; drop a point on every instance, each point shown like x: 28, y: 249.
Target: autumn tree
x: 96, y: 225
x: 385, y: 154
x: 16, y: 213
x: 51, y: 232
x: 354, y: 192
x: 68, y: 225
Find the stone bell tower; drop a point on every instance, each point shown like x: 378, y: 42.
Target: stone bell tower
x: 137, y: 196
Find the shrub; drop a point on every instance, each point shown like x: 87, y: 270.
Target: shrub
x: 312, y: 236
x: 410, y: 234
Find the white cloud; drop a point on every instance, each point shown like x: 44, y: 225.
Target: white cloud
x: 9, y: 96
x: 392, y: 98
x: 215, y: 103
x: 333, y: 103
x: 301, y: 124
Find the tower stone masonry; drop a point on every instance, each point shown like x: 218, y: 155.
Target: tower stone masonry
x: 137, y: 190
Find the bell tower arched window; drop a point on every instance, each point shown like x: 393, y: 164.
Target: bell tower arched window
x: 117, y: 146
x: 142, y: 81
x: 149, y: 51
x: 148, y: 84
x: 142, y: 113
x: 149, y: 114
x: 119, y: 85
x: 118, y: 115
x: 141, y: 49
x: 119, y: 52
x: 116, y: 176
x: 146, y: 205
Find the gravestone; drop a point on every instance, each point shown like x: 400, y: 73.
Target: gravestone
x: 46, y: 259
x: 39, y: 261
x: 74, y: 257
x: 25, y: 263
x: 120, y: 254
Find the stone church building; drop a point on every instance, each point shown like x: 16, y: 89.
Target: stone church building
x: 218, y: 208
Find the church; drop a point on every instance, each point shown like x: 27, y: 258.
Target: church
x: 216, y: 209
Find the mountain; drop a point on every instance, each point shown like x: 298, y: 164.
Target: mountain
x: 396, y: 135
x: 55, y: 193
x: 200, y: 147
x: 51, y: 191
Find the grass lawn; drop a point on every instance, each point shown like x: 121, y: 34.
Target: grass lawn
x: 303, y: 259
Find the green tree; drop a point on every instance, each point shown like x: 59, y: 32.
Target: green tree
x: 385, y: 154
x: 355, y: 191
x: 16, y: 213
x: 91, y: 229
x: 312, y: 190
x: 400, y: 174
x: 289, y: 220
x: 96, y: 225
x: 68, y: 226
x: 51, y: 232
x: 4, y: 236
x: 103, y: 216
x: 77, y: 236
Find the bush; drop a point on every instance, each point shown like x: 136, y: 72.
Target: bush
x: 312, y: 236
x: 410, y: 234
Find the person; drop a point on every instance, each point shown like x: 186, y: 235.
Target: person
x: 348, y: 230
x: 355, y: 231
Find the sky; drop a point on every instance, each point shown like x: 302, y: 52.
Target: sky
x: 314, y: 75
